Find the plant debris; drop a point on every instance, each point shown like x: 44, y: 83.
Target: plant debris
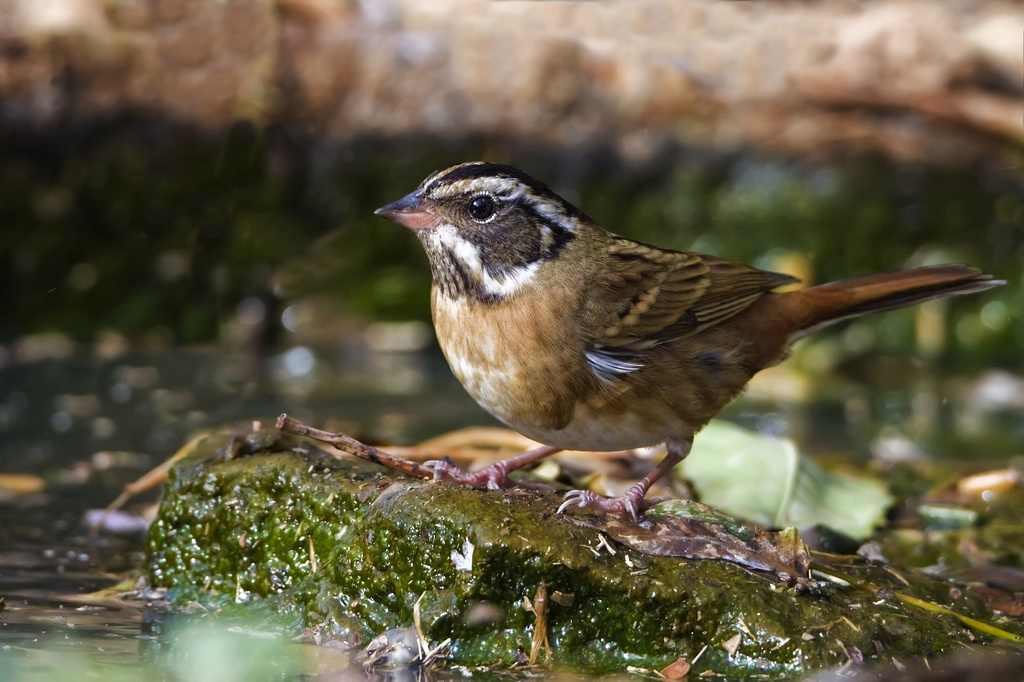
x: 690, y: 530
x: 404, y: 647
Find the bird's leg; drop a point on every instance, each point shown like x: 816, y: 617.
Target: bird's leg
x: 494, y: 476
x: 633, y: 500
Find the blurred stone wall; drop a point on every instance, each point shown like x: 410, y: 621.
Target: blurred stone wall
x: 919, y: 80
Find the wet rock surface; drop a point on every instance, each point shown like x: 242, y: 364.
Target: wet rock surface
x: 341, y: 549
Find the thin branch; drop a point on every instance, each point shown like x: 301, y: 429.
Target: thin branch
x: 354, y: 447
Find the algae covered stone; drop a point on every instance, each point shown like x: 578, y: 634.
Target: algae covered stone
x: 346, y: 549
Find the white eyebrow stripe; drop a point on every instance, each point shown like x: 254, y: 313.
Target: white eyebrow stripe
x: 503, y: 187
x: 510, y: 189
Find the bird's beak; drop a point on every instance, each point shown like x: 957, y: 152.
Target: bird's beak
x: 412, y: 211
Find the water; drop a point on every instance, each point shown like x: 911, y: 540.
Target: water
x: 88, y: 419
x: 86, y: 422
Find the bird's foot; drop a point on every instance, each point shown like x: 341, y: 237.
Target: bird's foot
x: 494, y: 477
x: 632, y: 502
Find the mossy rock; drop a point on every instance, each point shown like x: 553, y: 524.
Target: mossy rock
x: 346, y: 549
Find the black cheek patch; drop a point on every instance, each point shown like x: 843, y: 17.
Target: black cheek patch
x: 510, y: 242
x: 518, y: 238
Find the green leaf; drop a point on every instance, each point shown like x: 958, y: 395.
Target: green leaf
x: 766, y: 480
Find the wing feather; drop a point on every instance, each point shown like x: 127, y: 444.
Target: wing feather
x: 645, y: 295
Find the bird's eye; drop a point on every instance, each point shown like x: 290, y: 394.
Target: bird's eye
x: 482, y: 207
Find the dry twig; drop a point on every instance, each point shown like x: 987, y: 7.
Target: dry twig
x: 353, y: 447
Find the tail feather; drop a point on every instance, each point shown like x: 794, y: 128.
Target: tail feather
x: 836, y: 301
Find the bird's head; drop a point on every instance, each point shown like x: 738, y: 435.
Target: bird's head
x: 488, y: 229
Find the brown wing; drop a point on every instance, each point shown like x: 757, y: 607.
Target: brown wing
x: 646, y: 295
x: 734, y: 286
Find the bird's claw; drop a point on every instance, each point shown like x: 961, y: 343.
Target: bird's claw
x: 633, y: 502
x: 494, y: 477
x: 628, y: 503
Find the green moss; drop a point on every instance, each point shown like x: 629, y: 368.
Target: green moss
x: 346, y: 549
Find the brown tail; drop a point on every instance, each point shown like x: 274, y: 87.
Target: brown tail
x: 828, y: 303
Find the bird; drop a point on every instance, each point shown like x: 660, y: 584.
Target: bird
x: 582, y: 339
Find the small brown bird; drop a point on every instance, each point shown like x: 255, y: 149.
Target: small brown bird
x: 585, y: 340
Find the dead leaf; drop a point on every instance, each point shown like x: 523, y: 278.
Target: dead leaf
x: 540, y: 628
x: 676, y: 670
x: 732, y: 644
x: 998, y: 600
x: 690, y: 530
x: 998, y: 481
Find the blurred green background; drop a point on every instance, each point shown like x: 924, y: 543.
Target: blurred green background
x: 159, y: 233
